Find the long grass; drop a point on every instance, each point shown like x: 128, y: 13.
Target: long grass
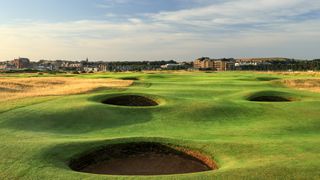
x: 293, y: 73
x: 303, y: 84
x: 16, y: 88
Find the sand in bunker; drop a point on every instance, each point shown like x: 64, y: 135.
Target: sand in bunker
x: 270, y: 99
x: 130, y: 100
x: 149, y: 163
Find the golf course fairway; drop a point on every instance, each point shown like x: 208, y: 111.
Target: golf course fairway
x: 249, y: 124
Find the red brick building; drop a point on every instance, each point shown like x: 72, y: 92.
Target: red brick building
x: 21, y: 63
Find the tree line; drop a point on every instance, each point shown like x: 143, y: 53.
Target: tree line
x: 285, y: 65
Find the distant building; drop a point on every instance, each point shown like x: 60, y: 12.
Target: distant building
x: 7, y: 65
x: 203, y: 63
x: 103, y: 67
x: 171, y: 66
x: 256, y: 61
x: 71, y: 66
x: 91, y: 69
x: 21, y: 63
x: 206, y: 63
x: 3, y: 65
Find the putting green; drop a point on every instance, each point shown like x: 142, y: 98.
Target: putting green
x: 205, y: 112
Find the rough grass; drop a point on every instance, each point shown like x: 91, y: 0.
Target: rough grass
x: 15, y: 88
x: 294, y: 73
x: 304, y: 84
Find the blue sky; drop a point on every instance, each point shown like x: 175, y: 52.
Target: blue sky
x: 68, y: 10
x: 158, y: 29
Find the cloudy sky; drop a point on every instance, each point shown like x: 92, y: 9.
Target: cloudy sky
x: 158, y: 29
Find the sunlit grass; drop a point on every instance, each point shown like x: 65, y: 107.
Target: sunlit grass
x: 15, y: 88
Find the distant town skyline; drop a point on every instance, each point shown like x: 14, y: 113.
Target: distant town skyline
x: 118, y: 30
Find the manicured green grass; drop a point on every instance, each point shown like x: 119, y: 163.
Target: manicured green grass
x: 208, y: 112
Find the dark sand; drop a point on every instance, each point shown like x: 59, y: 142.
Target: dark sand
x: 130, y: 100
x: 270, y: 99
x: 148, y: 164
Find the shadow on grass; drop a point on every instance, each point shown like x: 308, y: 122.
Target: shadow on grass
x: 76, y: 120
x: 267, y: 78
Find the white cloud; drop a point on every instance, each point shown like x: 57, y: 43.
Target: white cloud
x: 241, y: 12
x: 107, y: 4
x: 230, y: 28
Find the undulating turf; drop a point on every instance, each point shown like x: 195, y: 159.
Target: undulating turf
x: 207, y: 112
